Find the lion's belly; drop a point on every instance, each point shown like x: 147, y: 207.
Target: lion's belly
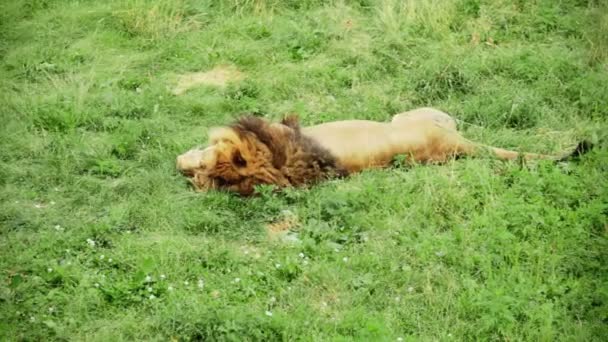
x: 360, y: 144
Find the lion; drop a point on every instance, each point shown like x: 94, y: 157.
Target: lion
x: 253, y: 151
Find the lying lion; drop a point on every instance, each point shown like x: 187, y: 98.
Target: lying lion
x: 253, y: 151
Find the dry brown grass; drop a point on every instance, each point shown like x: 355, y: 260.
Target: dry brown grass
x: 157, y: 20
x: 219, y: 76
x: 278, y: 229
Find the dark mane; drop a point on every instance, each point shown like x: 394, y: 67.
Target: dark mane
x: 316, y: 156
x: 298, y: 157
x: 260, y: 128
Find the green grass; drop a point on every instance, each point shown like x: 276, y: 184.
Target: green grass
x: 471, y: 250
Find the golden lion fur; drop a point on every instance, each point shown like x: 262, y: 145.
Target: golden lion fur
x: 253, y: 151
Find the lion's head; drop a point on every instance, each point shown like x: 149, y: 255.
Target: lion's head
x: 252, y: 152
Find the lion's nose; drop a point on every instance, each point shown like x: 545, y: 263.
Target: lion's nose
x: 186, y: 164
x: 180, y: 164
x: 190, y: 161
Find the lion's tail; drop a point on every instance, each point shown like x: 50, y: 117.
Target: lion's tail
x: 582, y: 148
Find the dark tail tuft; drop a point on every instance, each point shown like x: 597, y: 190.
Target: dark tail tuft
x: 582, y: 148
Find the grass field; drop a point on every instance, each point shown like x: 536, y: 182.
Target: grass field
x: 101, y: 239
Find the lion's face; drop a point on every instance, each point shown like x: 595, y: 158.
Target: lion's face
x: 238, y: 158
x: 196, y: 160
x: 218, y: 166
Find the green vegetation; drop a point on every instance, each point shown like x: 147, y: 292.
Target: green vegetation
x: 100, y: 238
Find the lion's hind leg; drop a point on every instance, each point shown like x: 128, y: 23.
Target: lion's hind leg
x: 436, y: 116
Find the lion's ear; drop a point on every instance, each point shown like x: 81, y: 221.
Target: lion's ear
x: 291, y: 120
x: 238, y: 160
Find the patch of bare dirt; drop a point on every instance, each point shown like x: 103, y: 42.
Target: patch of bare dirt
x: 219, y: 76
x: 280, y: 229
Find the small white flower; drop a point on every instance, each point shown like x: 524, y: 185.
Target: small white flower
x: 186, y: 282
x: 200, y: 284
x: 38, y: 206
x: 51, y: 309
x: 397, y: 299
x: 148, y: 279
x: 236, y: 280
x: 450, y: 335
x: 110, y: 260
x: 345, y: 259
x: 273, y: 299
x: 277, y: 265
x: 410, y: 289
x: 58, y: 228
x: 440, y: 253
x: 96, y: 284
x: 305, y: 262
x: 162, y: 277
x: 152, y: 296
x: 52, y: 202
x: 101, y: 257
x: 128, y: 232
x: 268, y: 313
x: 49, y: 270
x: 301, y: 255
x: 149, y: 289
x: 91, y: 242
x: 399, y: 339
x: 336, y: 250
x: 246, y: 252
x: 32, y: 319
x: 169, y: 288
